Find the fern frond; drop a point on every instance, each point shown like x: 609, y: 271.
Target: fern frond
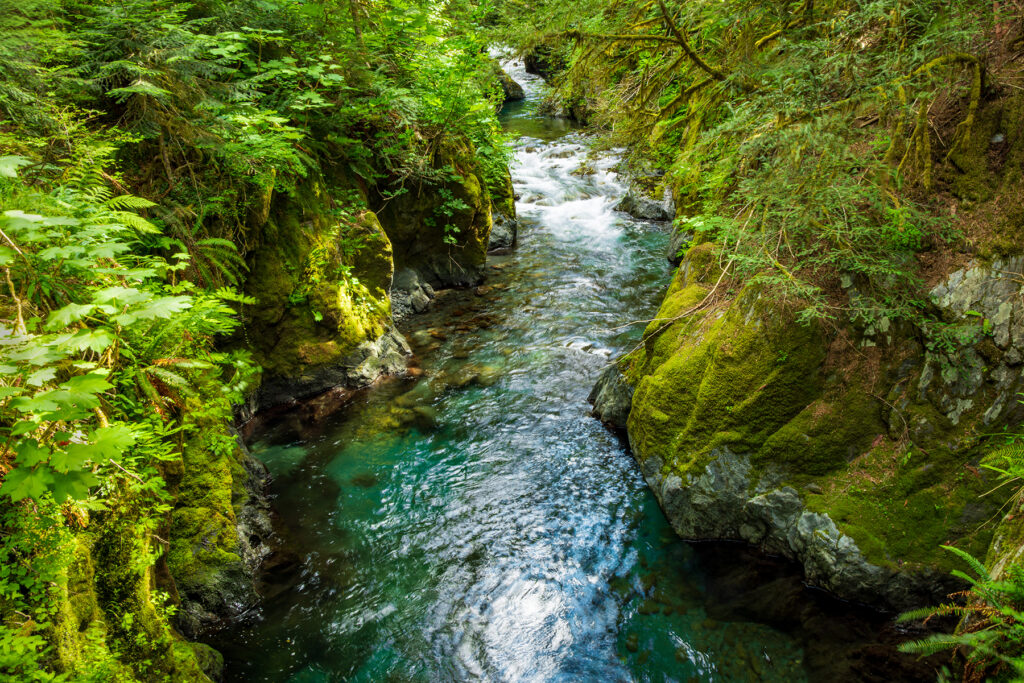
x: 171, y: 379
x: 132, y: 220
x: 128, y: 202
x: 931, y: 645
x: 974, y: 563
x: 936, y: 611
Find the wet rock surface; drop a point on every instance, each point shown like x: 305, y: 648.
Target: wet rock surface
x: 370, y: 360
x: 503, y: 233
x: 638, y: 204
x: 612, y: 397
x: 410, y: 294
x: 722, y: 503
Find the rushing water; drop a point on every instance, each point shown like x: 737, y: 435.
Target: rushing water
x: 478, y: 524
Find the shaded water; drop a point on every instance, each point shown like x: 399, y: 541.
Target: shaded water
x: 477, y: 524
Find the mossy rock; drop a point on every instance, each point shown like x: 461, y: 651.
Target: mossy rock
x: 210, y: 559
x: 733, y: 376
x: 322, y: 290
x: 832, y: 434
x: 442, y: 229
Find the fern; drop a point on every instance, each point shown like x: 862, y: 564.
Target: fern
x: 976, y: 566
x: 991, y: 630
x: 933, y: 644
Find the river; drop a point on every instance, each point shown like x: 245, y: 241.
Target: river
x: 477, y: 524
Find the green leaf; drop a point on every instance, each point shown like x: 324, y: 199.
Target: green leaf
x: 23, y: 427
x: 67, y: 315
x: 41, y: 377
x: 22, y: 483
x: 110, y: 443
x: 87, y: 385
x: 121, y: 296
x: 97, y: 340
x: 9, y: 165
x: 74, y: 485
x: 29, y: 453
x: 73, y: 457
x: 162, y: 307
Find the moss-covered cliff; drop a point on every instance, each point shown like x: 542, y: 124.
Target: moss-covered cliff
x: 856, y: 448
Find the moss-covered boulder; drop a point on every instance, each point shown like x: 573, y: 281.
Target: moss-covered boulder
x: 854, y: 451
x: 109, y: 621
x: 323, y: 312
x: 442, y: 228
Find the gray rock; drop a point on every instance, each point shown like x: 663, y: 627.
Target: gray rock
x: 973, y: 377
x: 410, y: 294
x: 612, y: 397
x: 504, y: 232
x: 639, y: 205
x: 676, y: 243
x: 383, y: 356
x: 721, y: 503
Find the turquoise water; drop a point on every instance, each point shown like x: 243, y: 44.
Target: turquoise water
x: 477, y: 524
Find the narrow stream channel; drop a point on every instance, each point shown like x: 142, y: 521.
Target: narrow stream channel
x: 477, y: 524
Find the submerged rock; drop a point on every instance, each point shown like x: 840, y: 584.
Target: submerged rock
x: 612, y: 397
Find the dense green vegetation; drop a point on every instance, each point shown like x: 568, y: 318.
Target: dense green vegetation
x: 797, y: 135
x: 193, y: 192
x: 143, y: 145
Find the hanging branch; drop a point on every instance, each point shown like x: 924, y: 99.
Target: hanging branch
x: 694, y: 57
x: 805, y: 7
x: 614, y: 37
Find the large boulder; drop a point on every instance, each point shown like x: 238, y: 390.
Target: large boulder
x: 852, y: 452
x: 323, y: 311
x: 442, y: 229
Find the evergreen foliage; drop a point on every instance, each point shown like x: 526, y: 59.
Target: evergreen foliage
x: 798, y: 135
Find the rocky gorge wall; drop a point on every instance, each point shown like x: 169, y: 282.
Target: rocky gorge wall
x: 857, y: 450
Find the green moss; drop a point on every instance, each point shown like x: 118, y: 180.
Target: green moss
x: 416, y: 220
x: 138, y: 634
x: 503, y: 194
x: 824, y: 436
x: 900, y: 506
x: 322, y: 288
x: 987, y: 178
x: 77, y: 608
x: 735, y: 377
x: 204, y: 551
